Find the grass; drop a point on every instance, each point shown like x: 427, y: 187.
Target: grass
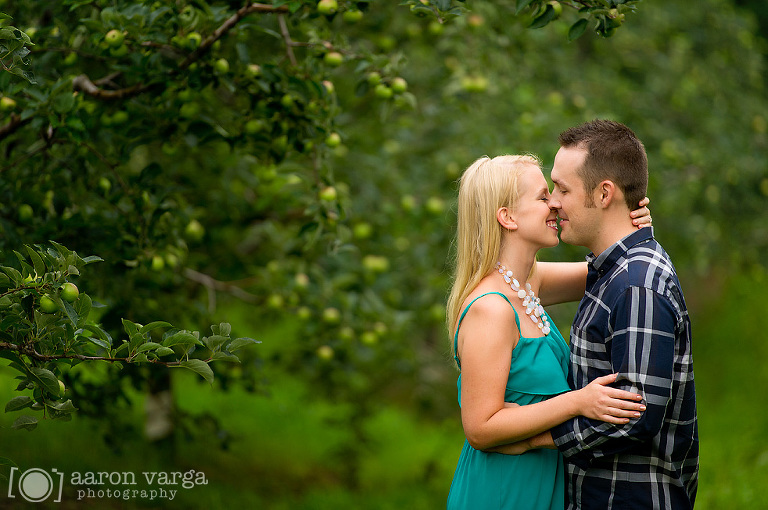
x: 287, y: 449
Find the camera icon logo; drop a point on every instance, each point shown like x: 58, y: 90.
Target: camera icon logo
x: 36, y: 485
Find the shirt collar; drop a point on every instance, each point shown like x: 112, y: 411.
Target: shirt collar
x: 619, y: 249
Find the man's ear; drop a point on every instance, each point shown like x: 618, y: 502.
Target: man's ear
x: 506, y: 219
x: 605, y: 193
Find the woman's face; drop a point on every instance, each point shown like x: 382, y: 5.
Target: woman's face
x: 536, y: 221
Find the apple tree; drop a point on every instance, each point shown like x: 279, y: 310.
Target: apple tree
x: 195, y: 146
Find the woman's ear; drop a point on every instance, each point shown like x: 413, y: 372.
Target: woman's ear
x: 505, y: 218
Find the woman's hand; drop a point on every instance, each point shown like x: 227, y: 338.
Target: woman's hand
x: 599, y: 401
x: 641, y: 217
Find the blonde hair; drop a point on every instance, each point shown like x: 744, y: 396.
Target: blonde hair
x: 487, y: 185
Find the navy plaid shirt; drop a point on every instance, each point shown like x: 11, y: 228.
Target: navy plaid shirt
x: 633, y: 321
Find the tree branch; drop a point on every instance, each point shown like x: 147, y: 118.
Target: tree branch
x: 12, y: 125
x: 32, y: 353
x: 227, y: 26
x: 213, y: 285
x: 287, y: 39
x: 83, y: 83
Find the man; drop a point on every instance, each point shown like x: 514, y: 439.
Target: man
x: 632, y: 321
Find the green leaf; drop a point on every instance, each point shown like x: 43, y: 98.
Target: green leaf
x: 182, y: 337
x: 63, y: 407
x: 13, y: 274
x: 17, y: 403
x: 102, y: 338
x: 154, y: 325
x: 224, y: 329
x: 37, y: 261
x: 544, y: 18
x: 199, y: 366
x: 130, y: 327
x: 25, y: 422
x: 225, y: 356
x: 83, y: 307
x: 577, y: 29
x: 149, y: 346
x: 46, y: 379
x: 239, y: 343
x: 164, y: 351
x: 214, y: 342
x: 69, y: 310
x: 522, y: 4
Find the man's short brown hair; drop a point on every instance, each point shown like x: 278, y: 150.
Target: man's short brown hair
x: 614, y: 153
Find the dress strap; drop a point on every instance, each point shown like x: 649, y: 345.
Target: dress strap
x: 461, y: 318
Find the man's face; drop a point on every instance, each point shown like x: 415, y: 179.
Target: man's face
x: 579, y: 223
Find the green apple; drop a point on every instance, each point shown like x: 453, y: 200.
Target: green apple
x: 253, y: 70
x: 302, y: 280
x: 329, y: 86
x: 7, y: 103
x: 346, y: 333
x: 352, y: 16
x: 435, y: 205
x: 120, y: 117
x: 327, y: 7
x: 120, y: 51
x: 287, y: 101
x: 158, y: 263
x: 275, y: 301
x: 331, y: 315
x: 408, y: 202
x: 325, y: 352
x: 475, y: 20
x: 557, y: 7
x: 48, y: 305
x: 69, y: 292
x: 399, y: 85
x: 328, y: 194
x: 373, y: 78
x: 25, y: 213
x: 254, y: 126
x: 333, y: 140
x: 333, y: 58
x: 105, y: 184
x: 194, y: 231
x: 185, y: 95
x: 369, y: 338
x: 62, y: 388
x: 193, y: 40
x: 189, y: 110
x: 435, y: 28
x: 376, y: 263
x: 221, y: 66
x: 382, y: 91
x: 114, y: 38
x: 362, y: 230
x: 304, y: 313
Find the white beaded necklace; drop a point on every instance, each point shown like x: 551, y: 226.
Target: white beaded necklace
x: 532, y: 304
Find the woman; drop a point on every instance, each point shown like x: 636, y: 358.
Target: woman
x: 513, y: 360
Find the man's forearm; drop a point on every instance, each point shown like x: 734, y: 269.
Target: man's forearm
x: 543, y: 440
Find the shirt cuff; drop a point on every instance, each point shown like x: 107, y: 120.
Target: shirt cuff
x: 562, y: 435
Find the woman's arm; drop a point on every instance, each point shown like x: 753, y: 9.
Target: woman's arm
x: 486, y: 340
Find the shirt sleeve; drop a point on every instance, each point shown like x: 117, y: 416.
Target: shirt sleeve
x: 642, y: 345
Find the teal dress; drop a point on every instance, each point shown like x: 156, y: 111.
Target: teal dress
x: 535, y: 479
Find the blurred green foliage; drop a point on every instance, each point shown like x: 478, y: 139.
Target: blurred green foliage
x: 238, y: 171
